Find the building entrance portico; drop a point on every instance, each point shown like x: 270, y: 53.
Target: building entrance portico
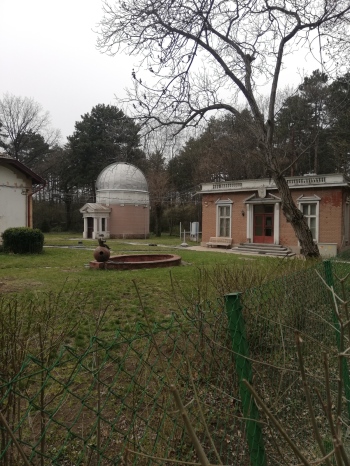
x: 263, y: 220
x: 96, y: 220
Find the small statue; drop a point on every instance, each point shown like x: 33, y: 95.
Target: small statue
x: 102, y: 243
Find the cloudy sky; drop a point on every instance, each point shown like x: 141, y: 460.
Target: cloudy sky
x: 48, y: 52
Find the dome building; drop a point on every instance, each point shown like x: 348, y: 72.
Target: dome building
x: 122, y: 204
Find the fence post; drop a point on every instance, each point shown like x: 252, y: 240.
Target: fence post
x: 328, y: 270
x: 244, y: 371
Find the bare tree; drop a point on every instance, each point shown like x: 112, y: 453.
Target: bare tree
x: 21, y: 118
x: 158, y: 185
x: 197, y: 56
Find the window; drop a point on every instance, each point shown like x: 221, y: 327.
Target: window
x: 310, y: 211
x: 224, y: 220
x: 103, y: 224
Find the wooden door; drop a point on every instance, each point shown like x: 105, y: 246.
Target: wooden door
x: 90, y: 226
x: 263, y: 223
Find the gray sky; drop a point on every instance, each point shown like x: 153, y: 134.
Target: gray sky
x: 48, y: 53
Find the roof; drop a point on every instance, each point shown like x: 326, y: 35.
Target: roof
x: 36, y: 179
x: 121, y: 176
x: 294, y: 182
x: 95, y: 207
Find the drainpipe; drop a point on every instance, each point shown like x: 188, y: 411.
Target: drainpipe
x: 29, y: 195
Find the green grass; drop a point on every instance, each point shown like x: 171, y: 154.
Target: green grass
x: 72, y: 239
x: 53, y: 298
x: 63, y: 271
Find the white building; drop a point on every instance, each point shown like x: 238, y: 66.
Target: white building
x: 17, y: 185
x: 122, y: 204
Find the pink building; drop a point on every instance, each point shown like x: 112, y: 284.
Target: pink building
x: 248, y: 212
x: 122, y: 204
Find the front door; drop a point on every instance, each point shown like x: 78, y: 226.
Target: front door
x: 90, y: 226
x: 263, y: 223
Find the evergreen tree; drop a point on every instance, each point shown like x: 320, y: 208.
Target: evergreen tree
x: 103, y: 136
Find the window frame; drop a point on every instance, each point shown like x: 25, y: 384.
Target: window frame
x: 313, y: 200
x: 223, y: 203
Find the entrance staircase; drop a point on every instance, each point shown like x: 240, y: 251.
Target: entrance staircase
x: 276, y: 250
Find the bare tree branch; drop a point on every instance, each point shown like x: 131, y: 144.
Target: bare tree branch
x: 198, y: 57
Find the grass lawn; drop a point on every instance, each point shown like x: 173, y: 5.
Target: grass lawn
x: 62, y: 272
x: 54, y: 298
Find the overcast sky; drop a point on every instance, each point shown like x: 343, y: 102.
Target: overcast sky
x: 48, y: 52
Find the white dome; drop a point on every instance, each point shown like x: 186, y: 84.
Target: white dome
x: 121, y: 177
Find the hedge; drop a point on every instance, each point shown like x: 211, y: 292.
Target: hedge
x: 23, y: 240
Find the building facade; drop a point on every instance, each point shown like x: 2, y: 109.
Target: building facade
x: 249, y: 211
x: 122, y: 204
x: 17, y: 185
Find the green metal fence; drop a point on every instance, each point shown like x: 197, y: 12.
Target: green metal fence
x: 114, y: 402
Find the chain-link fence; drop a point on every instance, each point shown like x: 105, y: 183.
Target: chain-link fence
x: 115, y: 403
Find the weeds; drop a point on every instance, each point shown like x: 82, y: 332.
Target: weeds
x: 110, y: 401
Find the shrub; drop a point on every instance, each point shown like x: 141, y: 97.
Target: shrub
x: 23, y: 240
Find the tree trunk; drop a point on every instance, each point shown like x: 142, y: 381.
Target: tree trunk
x: 68, y: 205
x: 158, y: 220
x: 296, y: 218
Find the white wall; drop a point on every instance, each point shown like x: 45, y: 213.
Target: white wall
x: 13, y: 204
x: 121, y: 196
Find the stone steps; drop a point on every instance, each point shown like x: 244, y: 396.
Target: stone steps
x: 276, y: 250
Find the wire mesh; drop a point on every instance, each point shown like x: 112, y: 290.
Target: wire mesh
x: 91, y: 408
x: 112, y: 404
x: 299, y: 305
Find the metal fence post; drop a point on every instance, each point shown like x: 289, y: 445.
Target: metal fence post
x: 328, y: 270
x: 244, y: 371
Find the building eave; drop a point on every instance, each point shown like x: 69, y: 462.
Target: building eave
x: 295, y: 182
x: 36, y: 179
x: 94, y: 208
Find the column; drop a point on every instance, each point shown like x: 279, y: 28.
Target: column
x: 95, y: 232
x: 85, y: 232
x: 249, y: 223
x: 276, y: 228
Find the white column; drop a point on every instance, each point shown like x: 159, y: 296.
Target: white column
x: 94, y: 233
x: 85, y: 232
x: 276, y: 228
x: 249, y: 222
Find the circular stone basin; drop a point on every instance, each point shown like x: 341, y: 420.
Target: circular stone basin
x: 137, y: 261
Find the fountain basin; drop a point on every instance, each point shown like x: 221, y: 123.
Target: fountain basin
x: 137, y: 261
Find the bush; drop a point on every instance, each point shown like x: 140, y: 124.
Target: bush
x: 23, y: 240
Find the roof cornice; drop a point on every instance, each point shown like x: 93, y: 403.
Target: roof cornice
x: 294, y: 182
x: 36, y: 179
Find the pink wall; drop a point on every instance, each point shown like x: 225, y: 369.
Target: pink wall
x: 331, y: 223
x: 129, y: 221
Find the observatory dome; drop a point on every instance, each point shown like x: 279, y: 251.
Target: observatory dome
x: 122, y: 183
x: 121, y: 177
